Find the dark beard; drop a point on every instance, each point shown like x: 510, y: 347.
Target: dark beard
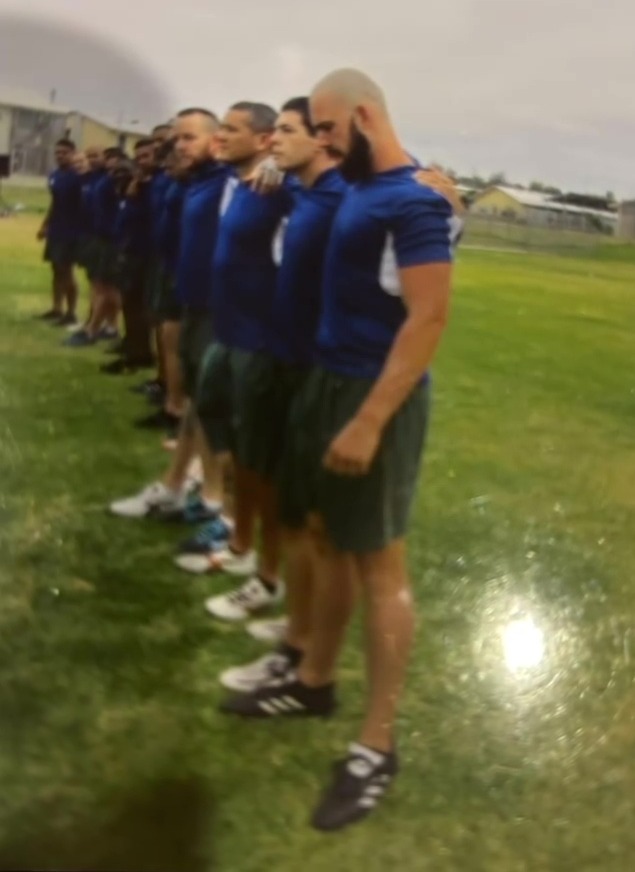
x: 357, y: 166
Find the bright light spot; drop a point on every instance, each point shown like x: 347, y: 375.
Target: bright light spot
x: 523, y: 644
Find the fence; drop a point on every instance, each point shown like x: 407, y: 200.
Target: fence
x: 489, y: 232
x: 32, y: 140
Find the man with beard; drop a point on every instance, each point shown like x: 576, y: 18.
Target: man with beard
x: 359, y: 426
x: 134, y: 251
x: 194, y: 131
x: 169, y: 243
x: 230, y: 393
x: 61, y: 231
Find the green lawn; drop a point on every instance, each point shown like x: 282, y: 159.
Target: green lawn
x: 112, y: 754
x: 29, y: 199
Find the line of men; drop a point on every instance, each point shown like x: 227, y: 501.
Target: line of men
x: 311, y: 306
x: 107, y: 216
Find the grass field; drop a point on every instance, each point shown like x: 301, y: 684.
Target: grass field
x: 112, y: 754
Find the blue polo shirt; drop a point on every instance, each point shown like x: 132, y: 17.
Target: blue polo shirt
x: 244, y: 270
x: 89, y: 182
x: 133, y: 229
x: 106, y: 208
x: 159, y: 185
x: 199, y: 226
x: 298, y: 296
x: 383, y: 225
x: 64, y: 220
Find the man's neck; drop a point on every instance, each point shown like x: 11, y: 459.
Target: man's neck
x: 246, y: 169
x: 388, y: 153
x: 309, y: 174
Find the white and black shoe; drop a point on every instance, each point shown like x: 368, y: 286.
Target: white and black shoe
x: 284, y: 697
x: 151, y: 501
x: 270, y: 632
x: 359, y: 783
x: 251, y: 597
x: 246, y: 679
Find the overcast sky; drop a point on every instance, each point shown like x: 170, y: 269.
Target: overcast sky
x: 543, y: 89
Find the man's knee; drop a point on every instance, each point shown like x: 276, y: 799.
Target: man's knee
x: 384, y: 572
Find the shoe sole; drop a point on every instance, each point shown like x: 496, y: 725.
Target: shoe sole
x: 263, y: 716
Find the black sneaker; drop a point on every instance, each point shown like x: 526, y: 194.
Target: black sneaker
x: 285, y: 697
x: 123, y: 366
x: 359, y: 783
x: 51, y: 315
x: 65, y: 321
x: 156, y: 396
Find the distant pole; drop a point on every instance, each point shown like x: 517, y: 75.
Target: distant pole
x: 53, y: 95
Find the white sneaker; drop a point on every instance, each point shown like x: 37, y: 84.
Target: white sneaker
x: 224, y: 560
x: 152, y: 498
x: 270, y: 632
x: 245, y: 679
x: 239, y: 604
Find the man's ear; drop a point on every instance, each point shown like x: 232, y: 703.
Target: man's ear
x: 265, y: 141
x: 361, y: 118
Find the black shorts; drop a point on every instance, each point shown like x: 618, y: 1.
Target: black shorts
x: 107, y: 263
x: 61, y: 252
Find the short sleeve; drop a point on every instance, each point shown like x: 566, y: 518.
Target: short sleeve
x: 422, y: 230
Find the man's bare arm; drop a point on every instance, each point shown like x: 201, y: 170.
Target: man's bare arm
x: 42, y: 232
x: 426, y: 294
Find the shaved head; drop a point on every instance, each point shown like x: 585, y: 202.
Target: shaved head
x: 208, y: 119
x: 353, y: 87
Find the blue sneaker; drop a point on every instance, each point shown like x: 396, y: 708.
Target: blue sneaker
x: 81, y: 339
x: 212, y: 536
x: 195, y: 511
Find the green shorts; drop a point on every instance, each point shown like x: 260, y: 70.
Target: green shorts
x: 82, y: 251
x: 196, y: 337
x: 107, y: 263
x: 243, y: 403
x: 161, y: 293
x: 361, y: 514
x: 60, y: 252
x: 132, y: 272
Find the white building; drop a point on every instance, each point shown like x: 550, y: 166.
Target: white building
x: 29, y: 128
x: 541, y: 210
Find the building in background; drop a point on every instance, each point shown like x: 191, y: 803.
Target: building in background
x: 536, y: 209
x: 30, y: 125
x: 626, y: 221
x: 29, y: 128
x: 86, y: 130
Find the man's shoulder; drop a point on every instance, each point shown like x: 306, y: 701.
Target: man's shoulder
x: 403, y: 188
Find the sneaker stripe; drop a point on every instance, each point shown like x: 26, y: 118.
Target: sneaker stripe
x: 293, y: 703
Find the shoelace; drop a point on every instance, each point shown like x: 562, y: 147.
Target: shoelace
x: 282, y: 680
x: 211, y: 532
x: 346, y: 783
x: 277, y: 667
x: 246, y: 593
